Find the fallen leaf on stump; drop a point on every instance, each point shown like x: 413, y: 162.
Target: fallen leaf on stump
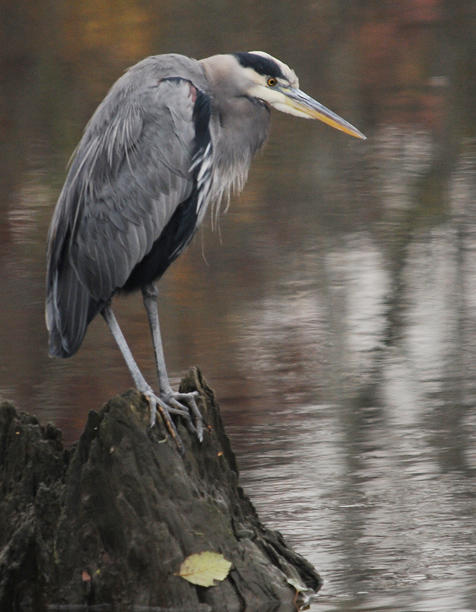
x: 205, y: 569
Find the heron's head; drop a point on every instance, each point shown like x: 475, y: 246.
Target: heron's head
x: 259, y: 75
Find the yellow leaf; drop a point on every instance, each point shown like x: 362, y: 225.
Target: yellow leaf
x: 205, y: 569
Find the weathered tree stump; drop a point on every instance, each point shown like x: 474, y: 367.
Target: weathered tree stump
x: 107, y: 523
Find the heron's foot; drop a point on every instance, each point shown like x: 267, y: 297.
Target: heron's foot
x: 185, y: 404
x: 158, y: 405
x: 171, y: 403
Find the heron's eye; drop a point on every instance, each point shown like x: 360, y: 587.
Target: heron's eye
x: 272, y: 82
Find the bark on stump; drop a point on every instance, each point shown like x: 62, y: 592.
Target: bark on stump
x: 107, y: 523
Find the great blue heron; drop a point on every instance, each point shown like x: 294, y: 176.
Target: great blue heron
x: 172, y: 136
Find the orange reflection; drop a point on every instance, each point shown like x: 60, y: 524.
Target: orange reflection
x: 121, y: 30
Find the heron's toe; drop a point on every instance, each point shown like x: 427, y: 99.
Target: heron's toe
x: 187, y: 402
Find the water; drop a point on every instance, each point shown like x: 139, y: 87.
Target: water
x: 335, y: 313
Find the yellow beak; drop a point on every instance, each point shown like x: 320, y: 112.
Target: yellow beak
x: 307, y: 106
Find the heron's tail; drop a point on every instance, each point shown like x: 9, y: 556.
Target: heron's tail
x: 69, y: 309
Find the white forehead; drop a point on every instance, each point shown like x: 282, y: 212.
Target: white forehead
x: 285, y: 69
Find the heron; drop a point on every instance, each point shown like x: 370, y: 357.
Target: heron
x: 173, y: 137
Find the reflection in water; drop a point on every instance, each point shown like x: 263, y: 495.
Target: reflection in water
x: 372, y: 511
x: 337, y: 318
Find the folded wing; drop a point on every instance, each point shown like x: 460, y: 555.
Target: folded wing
x: 129, y: 174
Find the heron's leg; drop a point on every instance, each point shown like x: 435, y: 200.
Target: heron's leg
x: 141, y: 384
x: 178, y: 400
x: 150, y: 295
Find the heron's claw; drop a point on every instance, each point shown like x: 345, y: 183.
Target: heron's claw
x: 179, y: 401
x: 172, y: 403
x: 158, y: 405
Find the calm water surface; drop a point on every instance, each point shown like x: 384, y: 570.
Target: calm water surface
x: 335, y: 311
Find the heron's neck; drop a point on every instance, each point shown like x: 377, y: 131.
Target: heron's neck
x: 234, y: 142
x: 239, y: 128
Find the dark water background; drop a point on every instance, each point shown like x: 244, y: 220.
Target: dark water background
x: 335, y: 316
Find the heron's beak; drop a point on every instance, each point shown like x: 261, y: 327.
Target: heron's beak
x: 304, y: 106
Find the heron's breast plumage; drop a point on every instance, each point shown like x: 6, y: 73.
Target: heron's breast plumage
x: 237, y: 131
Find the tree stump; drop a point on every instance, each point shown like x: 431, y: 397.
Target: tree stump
x: 106, y: 524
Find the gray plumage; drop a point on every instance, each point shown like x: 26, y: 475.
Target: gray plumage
x: 130, y: 171
x: 172, y: 136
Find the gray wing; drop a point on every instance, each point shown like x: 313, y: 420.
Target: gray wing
x: 130, y: 172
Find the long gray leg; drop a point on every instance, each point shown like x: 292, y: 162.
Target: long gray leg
x: 139, y: 380
x: 141, y: 384
x: 150, y: 295
x: 172, y: 398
